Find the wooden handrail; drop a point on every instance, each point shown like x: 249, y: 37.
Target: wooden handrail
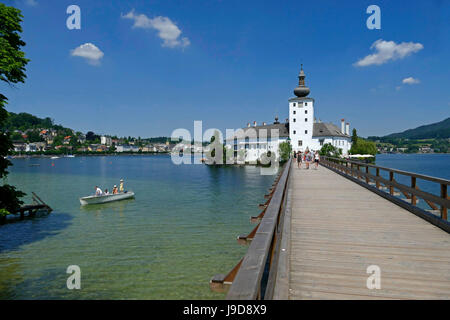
x: 406, y: 173
x: 411, y: 192
x: 248, y: 280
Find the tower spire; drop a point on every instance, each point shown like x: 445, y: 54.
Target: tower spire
x: 302, y: 90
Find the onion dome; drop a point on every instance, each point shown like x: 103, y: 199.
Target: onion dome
x: 302, y: 90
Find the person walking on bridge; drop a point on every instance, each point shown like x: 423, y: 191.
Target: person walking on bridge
x: 299, y: 159
x: 307, y: 159
x: 316, y: 159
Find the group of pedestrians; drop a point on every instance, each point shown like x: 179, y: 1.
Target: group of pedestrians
x: 307, y: 157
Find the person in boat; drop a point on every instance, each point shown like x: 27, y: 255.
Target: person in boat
x: 121, y: 185
x: 115, y: 191
x: 98, y: 191
x: 106, y: 192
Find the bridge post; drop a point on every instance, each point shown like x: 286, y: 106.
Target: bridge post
x: 391, y: 179
x: 413, y: 185
x: 378, y: 175
x: 444, y: 196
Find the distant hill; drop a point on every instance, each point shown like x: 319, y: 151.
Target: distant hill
x: 29, y: 123
x: 438, y: 130
x: 24, y: 121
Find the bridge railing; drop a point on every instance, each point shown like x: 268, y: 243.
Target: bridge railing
x: 385, y: 182
x: 254, y: 277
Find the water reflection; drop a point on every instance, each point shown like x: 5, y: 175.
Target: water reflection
x: 15, y: 235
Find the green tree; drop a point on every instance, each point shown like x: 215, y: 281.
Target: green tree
x: 17, y: 136
x: 329, y: 150
x: 12, y: 70
x: 354, y: 135
x: 33, y: 136
x: 285, y: 150
x: 363, y: 146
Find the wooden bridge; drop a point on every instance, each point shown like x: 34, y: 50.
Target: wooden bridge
x: 347, y: 230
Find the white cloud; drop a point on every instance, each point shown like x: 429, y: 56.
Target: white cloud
x: 410, y: 80
x: 90, y: 52
x: 31, y: 3
x: 168, y: 31
x: 388, y: 50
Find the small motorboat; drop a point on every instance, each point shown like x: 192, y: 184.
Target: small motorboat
x: 106, y: 198
x: 54, y: 157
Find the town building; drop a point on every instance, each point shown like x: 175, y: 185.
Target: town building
x: 126, y: 148
x: 107, y: 141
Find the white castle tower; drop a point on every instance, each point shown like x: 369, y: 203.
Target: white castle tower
x: 301, y: 117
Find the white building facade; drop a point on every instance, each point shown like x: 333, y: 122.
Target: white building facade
x: 107, y: 141
x: 301, y: 129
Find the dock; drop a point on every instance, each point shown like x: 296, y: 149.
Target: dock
x: 31, y: 209
x: 329, y: 233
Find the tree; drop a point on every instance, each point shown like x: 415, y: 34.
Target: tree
x: 354, y: 135
x: 12, y: 70
x: 91, y: 136
x: 363, y: 146
x: 285, y: 150
x: 33, y: 136
x: 329, y: 150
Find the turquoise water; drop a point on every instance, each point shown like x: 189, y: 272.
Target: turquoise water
x: 166, y: 244
x: 435, y: 165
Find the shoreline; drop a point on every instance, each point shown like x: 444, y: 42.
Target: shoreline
x: 77, y: 155
x: 150, y: 153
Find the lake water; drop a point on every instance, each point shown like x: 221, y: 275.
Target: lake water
x: 435, y: 165
x: 166, y: 244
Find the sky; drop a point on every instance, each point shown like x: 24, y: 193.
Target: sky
x: 146, y: 68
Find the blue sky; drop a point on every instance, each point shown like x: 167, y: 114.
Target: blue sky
x: 159, y: 65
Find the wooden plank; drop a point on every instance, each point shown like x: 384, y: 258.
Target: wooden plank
x: 339, y: 228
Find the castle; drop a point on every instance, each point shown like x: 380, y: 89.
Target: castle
x: 301, y: 129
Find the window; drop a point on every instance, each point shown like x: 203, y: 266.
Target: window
x: 300, y: 143
x: 306, y: 120
x: 295, y: 132
x: 321, y: 142
x: 306, y: 103
x: 294, y: 119
x: 294, y: 104
x: 306, y: 131
x: 294, y: 111
x: 306, y: 111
